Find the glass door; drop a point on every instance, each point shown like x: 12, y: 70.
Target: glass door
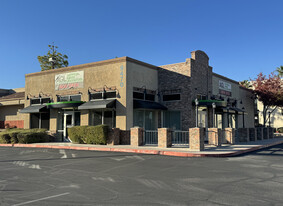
x: 69, y: 121
x: 71, y: 118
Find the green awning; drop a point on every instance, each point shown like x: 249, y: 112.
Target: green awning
x: 210, y: 102
x: 34, y: 109
x: 140, y: 104
x: 99, y: 104
x: 60, y: 105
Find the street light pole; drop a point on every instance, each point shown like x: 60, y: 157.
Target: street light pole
x: 213, y: 114
x: 196, y: 102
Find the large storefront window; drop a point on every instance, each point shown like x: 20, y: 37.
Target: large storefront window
x: 39, y: 120
x: 145, y: 119
x: 98, y: 117
x: 172, y: 120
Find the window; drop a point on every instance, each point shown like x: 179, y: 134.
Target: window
x: 39, y: 101
x: 35, y: 101
x: 201, y: 97
x: 145, y: 119
x: 171, y: 97
x: 172, y: 120
x: 144, y: 96
x: 138, y: 95
x: 69, y: 98
x: 109, y: 95
x: 103, y: 95
x: 39, y: 120
x: 150, y: 97
x: 97, y: 95
x: 107, y: 117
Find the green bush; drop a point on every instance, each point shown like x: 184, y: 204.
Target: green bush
x: 32, y: 137
x: 5, y: 138
x: 23, y: 136
x: 89, y: 134
x: 77, y: 134
x: 280, y: 129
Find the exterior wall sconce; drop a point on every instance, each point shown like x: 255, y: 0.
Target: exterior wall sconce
x: 196, y: 102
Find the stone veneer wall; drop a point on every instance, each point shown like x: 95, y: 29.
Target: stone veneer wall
x: 194, y: 73
x: 125, y: 137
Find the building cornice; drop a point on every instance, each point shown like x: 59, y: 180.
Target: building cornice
x: 93, y: 64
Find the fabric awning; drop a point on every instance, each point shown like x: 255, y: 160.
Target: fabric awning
x: 34, y: 109
x: 60, y: 105
x: 101, y: 104
x: 148, y: 105
x: 210, y: 102
x: 239, y: 111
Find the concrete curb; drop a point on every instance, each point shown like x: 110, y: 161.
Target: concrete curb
x: 146, y: 151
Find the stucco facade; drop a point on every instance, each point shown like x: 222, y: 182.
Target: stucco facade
x: 125, y: 93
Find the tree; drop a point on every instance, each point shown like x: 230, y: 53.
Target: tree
x: 53, y: 59
x: 246, y: 84
x: 280, y: 71
x: 270, y: 92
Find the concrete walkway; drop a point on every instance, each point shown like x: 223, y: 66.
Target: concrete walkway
x: 225, y: 150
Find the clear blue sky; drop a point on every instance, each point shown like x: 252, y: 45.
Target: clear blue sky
x: 242, y: 38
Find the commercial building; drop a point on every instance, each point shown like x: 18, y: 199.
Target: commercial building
x: 124, y: 93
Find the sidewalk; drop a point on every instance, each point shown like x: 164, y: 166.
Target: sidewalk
x: 225, y: 150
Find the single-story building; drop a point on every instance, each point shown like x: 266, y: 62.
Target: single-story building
x: 125, y: 93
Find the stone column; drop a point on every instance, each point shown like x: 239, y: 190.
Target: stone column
x: 164, y: 137
x: 196, y: 139
x: 214, y: 136
x: 252, y: 134
x: 136, y: 136
x: 113, y: 136
x: 229, y: 135
x: 271, y: 133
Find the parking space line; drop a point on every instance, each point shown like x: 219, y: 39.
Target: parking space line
x: 45, y: 198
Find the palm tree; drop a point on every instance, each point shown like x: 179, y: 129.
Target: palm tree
x: 280, y: 71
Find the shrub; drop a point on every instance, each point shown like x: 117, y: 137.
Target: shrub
x: 280, y: 129
x: 89, y: 134
x: 77, y: 134
x: 23, y: 136
x: 5, y: 138
x: 32, y: 137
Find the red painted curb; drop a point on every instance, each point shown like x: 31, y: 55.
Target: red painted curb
x: 6, y: 145
x: 145, y: 151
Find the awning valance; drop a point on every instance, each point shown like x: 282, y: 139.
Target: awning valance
x: 210, y: 102
x: 140, y: 104
x: 101, y: 104
x: 60, y: 105
x: 34, y: 109
x: 231, y: 110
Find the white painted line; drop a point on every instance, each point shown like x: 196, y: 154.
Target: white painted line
x: 63, y: 152
x: 45, y: 198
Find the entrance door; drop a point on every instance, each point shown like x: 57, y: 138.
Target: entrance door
x: 71, y: 118
x: 69, y: 121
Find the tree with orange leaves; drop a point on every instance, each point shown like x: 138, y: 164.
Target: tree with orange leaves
x: 269, y: 91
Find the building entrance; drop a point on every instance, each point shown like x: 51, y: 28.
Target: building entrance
x: 67, y: 119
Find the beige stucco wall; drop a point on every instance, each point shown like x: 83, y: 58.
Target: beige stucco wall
x: 96, y: 75
x: 139, y: 76
x: 276, y: 117
x: 248, y: 102
x: 11, y: 112
x: 241, y: 95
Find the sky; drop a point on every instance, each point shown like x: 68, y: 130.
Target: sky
x: 241, y: 37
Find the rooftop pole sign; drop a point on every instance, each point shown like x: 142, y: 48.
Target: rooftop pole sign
x: 71, y: 80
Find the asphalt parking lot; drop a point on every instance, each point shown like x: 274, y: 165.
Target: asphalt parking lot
x: 30, y: 176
